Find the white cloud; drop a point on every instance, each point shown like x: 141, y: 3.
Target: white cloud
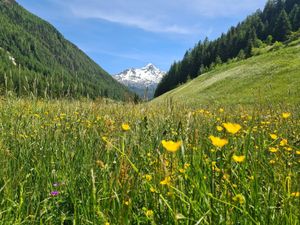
x: 163, y: 16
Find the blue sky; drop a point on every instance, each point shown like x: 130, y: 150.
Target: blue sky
x: 121, y: 34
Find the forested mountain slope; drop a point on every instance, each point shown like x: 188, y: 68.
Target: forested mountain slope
x: 278, y: 19
x: 268, y: 78
x: 36, y: 59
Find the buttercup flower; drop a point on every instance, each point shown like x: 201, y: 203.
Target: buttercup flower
x: 232, y: 128
x: 125, y: 127
x: 171, y: 146
x: 238, y: 159
x: 218, y: 142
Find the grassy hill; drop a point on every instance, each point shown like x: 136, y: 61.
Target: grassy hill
x: 46, y: 64
x: 272, y: 77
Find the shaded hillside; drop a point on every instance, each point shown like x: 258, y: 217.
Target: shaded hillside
x: 278, y: 19
x: 47, y: 64
x: 272, y: 77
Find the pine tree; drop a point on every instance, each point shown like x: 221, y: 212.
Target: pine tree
x: 295, y: 17
x: 282, y: 26
x: 289, y: 5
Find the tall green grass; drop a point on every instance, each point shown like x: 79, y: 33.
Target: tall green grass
x: 70, y: 162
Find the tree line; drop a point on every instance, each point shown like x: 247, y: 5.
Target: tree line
x: 274, y: 23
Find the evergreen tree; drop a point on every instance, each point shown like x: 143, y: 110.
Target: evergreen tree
x: 282, y: 27
x: 295, y: 17
x: 289, y: 5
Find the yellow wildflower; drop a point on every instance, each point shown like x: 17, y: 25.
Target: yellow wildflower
x: 171, y: 146
x: 186, y: 165
x: 232, y: 128
x: 221, y: 110
x: 218, y: 142
x: 238, y: 159
x: 286, y: 115
x: 125, y: 127
x: 298, y: 152
x: 152, y: 189
x: 288, y: 149
x: 148, y: 177
x: 166, y: 181
x: 273, y: 150
x: 272, y: 161
x: 273, y: 136
x: 149, y: 213
x: 107, y: 223
x: 219, y: 128
x: 295, y: 194
x: 239, y: 198
x: 283, y: 142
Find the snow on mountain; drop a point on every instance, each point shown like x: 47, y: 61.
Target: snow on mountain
x: 141, y: 79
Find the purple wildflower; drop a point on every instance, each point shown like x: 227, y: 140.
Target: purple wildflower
x: 54, y: 193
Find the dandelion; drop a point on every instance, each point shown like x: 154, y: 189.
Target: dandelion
x: 221, y: 110
x: 232, y: 128
x: 107, y: 223
x: 238, y: 159
x: 125, y: 127
x: 218, y: 142
x: 171, y: 146
x: 239, y: 198
x: 295, y: 194
x: 297, y: 152
x: 286, y: 115
x: 166, y: 181
x: 273, y: 136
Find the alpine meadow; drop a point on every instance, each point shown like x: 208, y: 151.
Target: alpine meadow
x: 219, y: 143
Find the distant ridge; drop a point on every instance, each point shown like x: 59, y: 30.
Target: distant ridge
x: 47, y: 64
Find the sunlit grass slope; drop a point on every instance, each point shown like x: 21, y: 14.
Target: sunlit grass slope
x: 273, y: 76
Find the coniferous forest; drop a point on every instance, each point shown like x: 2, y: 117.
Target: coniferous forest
x: 277, y: 20
x: 35, y: 59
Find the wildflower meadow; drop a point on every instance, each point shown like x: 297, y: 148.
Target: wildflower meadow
x: 100, y: 162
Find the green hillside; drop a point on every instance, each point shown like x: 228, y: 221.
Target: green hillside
x: 274, y: 23
x: 273, y: 76
x: 46, y: 64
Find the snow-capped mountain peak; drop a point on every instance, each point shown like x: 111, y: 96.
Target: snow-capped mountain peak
x: 146, y: 76
x: 141, y: 79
